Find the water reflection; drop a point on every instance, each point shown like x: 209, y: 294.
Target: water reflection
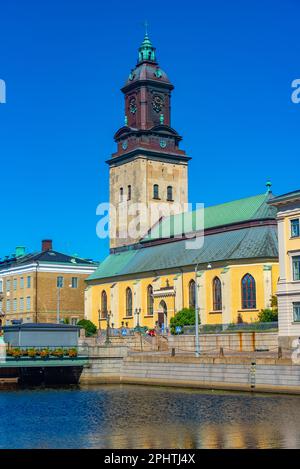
x: 146, y: 417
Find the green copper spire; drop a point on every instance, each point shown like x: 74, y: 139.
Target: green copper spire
x: 147, y: 51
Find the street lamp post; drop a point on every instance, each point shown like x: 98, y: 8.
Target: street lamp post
x: 197, y: 351
x: 58, y: 303
x: 107, y: 340
x: 138, y: 312
x: 99, y: 319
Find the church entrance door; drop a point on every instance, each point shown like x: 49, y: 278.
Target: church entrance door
x: 162, y: 315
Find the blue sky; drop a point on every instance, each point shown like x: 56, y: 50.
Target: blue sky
x: 64, y: 62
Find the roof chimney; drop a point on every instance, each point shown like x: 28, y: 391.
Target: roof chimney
x: 20, y: 251
x: 47, y: 245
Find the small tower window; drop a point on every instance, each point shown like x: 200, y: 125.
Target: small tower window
x: 155, y: 191
x: 121, y: 194
x: 170, y: 193
x: 129, y: 193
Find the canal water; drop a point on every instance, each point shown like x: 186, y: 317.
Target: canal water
x: 146, y: 417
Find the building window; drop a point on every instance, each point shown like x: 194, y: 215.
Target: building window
x: 22, y: 282
x: 7, y: 285
x: 7, y: 305
x: 170, y: 193
x: 28, y: 303
x: 150, y: 300
x: 155, y: 191
x: 128, y: 302
x: 296, y: 312
x: 15, y: 304
x: 15, y: 283
x: 295, y: 228
x: 60, y: 282
x: 296, y: 268
x: 192, y: 294
x: 74, y: 283
x: 121, y: 194
x: 217, y: 294
x: 104, y: 304
x: 74, y: 321
x: 28, y: 282
x: 129, y: 193
x: 248, y: 292
x: 21, y: 304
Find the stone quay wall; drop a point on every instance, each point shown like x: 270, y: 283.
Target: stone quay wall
x: 119, y: 365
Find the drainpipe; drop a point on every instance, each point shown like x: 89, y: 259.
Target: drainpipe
x: 36, y: 292
x: 197, y: 351
x: 182, y: 287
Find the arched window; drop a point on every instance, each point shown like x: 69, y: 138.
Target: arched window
x: 192, y: 293
x: 104, y: 304
x: 248, y: 292
x: 155, y: 191
x: 121, y: 194
x: 150, y: 300
x: 217, y: 294
x: 128, y: 302
x: 170, y: 193
x: 129, y: 193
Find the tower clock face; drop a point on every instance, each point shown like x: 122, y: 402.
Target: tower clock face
x: 157, y: 103
x: 132, y: 105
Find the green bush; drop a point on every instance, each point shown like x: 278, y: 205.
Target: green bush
x: 268, y: 315
x: 185, y: 317
x: 88, y: 326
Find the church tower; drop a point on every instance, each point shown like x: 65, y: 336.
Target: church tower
x: 148, y: 167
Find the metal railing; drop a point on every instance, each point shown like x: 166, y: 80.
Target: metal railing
x: 226, y: 328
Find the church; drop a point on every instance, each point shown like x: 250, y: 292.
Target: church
x: 226, y: 258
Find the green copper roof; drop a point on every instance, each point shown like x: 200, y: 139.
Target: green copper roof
x: 250, y: 208
x: 259, y: 242
x: 146, y: 51
x: 113, y: 264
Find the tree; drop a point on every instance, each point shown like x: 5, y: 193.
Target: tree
x: 88, y: 326
x: 185, y: 317
x: 269, y: 314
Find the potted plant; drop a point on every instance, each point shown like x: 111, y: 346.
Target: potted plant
x: 45, y: 354
x: 72, y: 353
x: 59, y: 353
x: 16, y: 353
x: 32, y: 353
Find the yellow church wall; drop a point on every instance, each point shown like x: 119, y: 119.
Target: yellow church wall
x: 275, y: 277
x: 139, y: 295
x: 211, y: 316
x: 96, y: 291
